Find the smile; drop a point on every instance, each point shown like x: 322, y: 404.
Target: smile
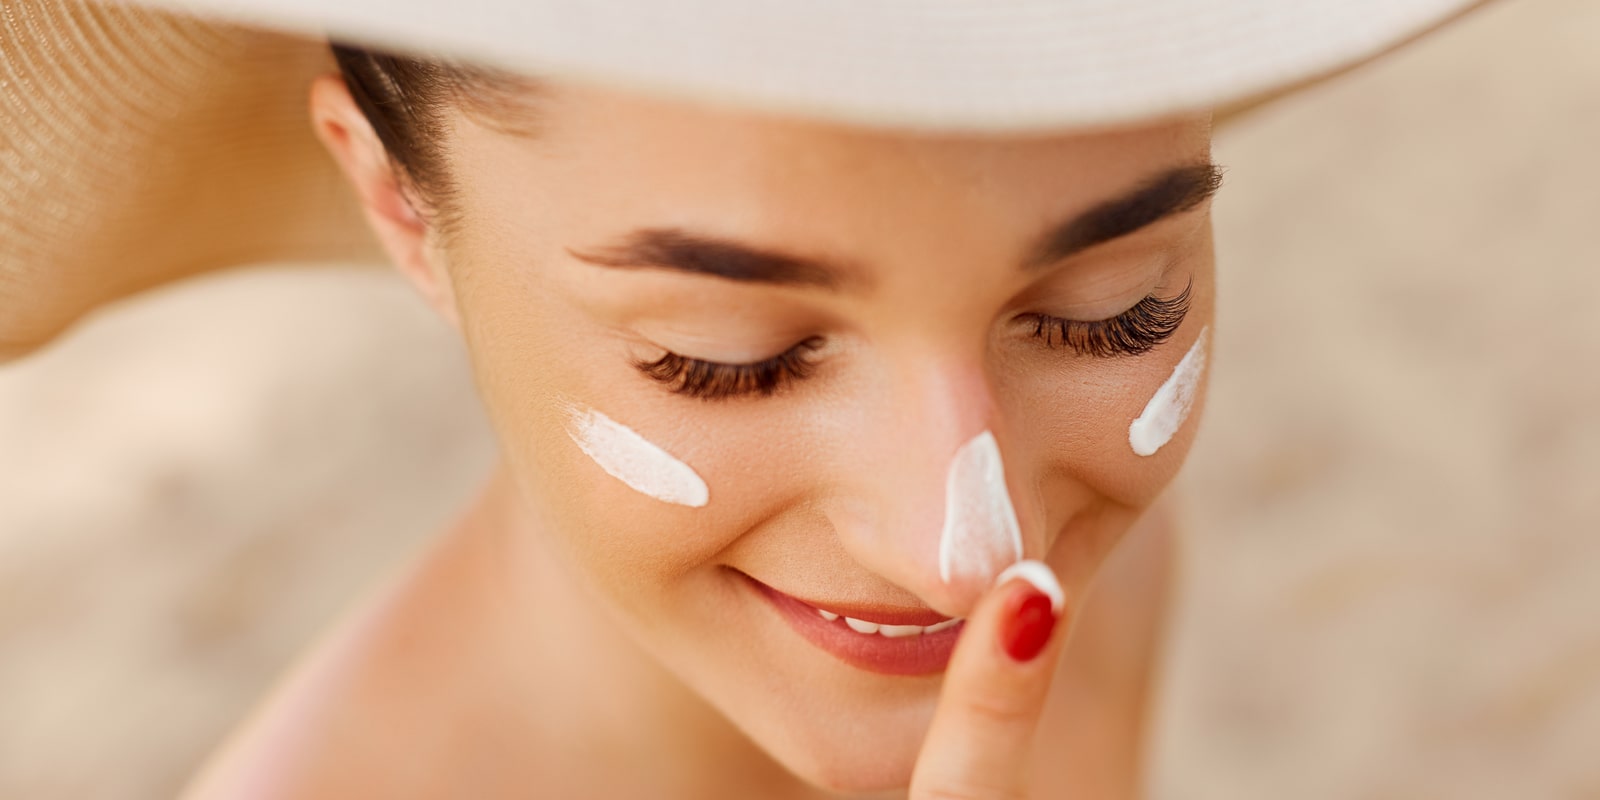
x: 889, y: 641
x: 884, y: 629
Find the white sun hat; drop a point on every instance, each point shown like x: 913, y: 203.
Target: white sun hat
x: 145, y: 142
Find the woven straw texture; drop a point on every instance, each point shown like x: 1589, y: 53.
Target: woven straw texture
x: 138, y: 146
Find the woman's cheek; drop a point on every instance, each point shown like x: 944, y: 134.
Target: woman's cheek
x: 1167, y: 412
x: 1116, y: 431
x: 632, y: 459
x: 627, y: 500
x: 1088, y: 485
x: 642, y: 488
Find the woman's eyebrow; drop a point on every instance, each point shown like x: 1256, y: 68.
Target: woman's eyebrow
x: 682, y: 251
x: 1164, y: 195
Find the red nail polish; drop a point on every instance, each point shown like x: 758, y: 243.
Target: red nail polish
x: 1026, y: 630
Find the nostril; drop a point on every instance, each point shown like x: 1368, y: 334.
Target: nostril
x: 981, y: 535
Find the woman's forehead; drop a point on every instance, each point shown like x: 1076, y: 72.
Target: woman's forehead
x: 582, y: 121
x: 608, y: 162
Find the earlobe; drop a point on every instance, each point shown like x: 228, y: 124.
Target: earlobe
x: 402, y: 232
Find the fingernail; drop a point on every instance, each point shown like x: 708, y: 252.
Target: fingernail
x: 1026, y: 629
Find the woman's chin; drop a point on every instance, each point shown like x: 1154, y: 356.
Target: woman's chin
x: 858, y: 772
x: 846, y: 758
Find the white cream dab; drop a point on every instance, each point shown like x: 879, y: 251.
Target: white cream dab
x: 1040, y: 575
x: 634, y: 460
x: 981, y: 536
x: 1170, y: 406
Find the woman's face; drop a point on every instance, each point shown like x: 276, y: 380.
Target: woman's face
x: 875, y: 301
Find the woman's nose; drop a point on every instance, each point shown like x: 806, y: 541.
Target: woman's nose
x: 930, y: 507
x: 979, y: 536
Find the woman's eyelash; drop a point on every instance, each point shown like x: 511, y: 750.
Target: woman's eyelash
x: 1134, y: 332
x: 712, y: 380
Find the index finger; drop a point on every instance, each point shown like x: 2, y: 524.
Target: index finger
x: 995, y: 687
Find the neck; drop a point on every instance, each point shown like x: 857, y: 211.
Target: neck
x: 588, y: 696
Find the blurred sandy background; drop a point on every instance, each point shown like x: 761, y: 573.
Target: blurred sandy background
x: 1393, y: 567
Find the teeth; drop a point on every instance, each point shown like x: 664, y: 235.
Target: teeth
x: 861, y: 626
x: 897, y: 631
x: 889, y: 631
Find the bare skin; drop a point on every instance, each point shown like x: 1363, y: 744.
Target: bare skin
x: 414, y: 695
x: 579, y: 636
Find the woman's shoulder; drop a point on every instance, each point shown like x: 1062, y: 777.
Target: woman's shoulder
x: 381, y: 706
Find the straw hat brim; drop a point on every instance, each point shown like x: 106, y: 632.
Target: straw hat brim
x: 144, y: 144
x: 947, y: 64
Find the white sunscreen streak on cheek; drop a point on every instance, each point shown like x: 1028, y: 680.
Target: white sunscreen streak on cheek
x: 981, y: 536
x: 634, y: 460
x: 1170, y: 406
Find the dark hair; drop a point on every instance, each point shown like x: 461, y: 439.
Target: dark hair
x: 408, y: 100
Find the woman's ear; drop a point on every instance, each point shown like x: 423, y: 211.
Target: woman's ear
x: 401, y: 231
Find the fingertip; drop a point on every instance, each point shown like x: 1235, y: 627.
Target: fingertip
x: 1041, y: 576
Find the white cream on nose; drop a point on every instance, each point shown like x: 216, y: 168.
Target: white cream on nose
x: 981, y: 536
x: 635, y: 460
x: 1170, y: 406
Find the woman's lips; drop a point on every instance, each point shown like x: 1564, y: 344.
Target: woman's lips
x: 883, y: 640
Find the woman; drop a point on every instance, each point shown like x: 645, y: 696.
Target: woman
x: 816, y: 320
x: 815, y: 435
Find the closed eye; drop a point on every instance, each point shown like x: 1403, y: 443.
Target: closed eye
x: 715, y: 380
x: 1137, y: 331
x: 1140, y: 329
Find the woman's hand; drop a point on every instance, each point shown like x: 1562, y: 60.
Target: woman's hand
x: 979, y: 745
